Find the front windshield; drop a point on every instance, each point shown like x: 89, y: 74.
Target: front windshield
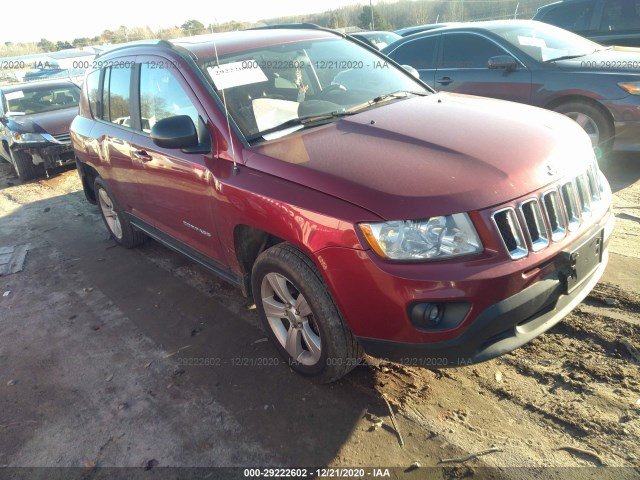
x: 279, y: 85
x: 41, y: 99
x: 545, y: 42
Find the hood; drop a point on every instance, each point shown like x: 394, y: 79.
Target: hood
x: 53, y: 123
x: 613, y: 59
x: 426, y: 156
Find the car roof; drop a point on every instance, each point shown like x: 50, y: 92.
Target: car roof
x: 208, y: 45
x: 35, y: 85
x: 483, y: 25
x: 562, y: 2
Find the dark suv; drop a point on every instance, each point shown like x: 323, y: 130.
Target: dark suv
x: 608, y: 22
x: 358, y: 208
x: 34, y: 125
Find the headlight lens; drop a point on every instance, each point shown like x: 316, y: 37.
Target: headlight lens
x: 28, y: 137
x: 631, y: 87
x: 433, y: 238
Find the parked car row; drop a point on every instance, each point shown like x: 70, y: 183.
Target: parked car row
x: 538, y: 64
x: 360, y: 210
x: 34, y: 125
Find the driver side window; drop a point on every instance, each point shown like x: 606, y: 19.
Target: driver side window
x: 162, y: 96
x: 463, y: 50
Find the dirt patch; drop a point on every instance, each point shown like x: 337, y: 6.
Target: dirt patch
x: 101, y: 345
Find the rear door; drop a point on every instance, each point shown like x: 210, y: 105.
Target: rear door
x: 463, y: 68
x: 113, y: 132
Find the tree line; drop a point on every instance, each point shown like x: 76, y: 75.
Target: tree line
x: 383, y: 16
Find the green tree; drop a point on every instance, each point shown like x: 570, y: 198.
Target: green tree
x: 81, y: 42
x: 336, y: 20
x: 367, y: 21
x: 47, y: 45
x: 193, y: 27
x: 63, y: 45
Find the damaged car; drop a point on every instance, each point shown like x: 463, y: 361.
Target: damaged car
x: 34, y: 126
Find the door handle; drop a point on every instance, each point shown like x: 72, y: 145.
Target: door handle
x: 142, y: 155
x: 444, y: 80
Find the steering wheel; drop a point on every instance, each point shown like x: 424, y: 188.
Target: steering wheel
x: 334, y: 87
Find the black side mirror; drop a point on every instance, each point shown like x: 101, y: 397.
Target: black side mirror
x: 175, y: 132
x: 3, y: 119
x: 506, y: 62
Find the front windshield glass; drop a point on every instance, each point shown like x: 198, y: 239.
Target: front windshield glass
x: 41, y: 99
x: 545, y: 42
x: 289, y: 84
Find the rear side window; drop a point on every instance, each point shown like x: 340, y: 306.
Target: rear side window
x: 464, y: 50
x: 92, y: 84
x: 620, y: 15
x: 575, y: 17
x: 116, y: 95
x: 420, y: 54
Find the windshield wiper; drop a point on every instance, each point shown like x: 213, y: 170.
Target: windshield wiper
x: 397, y: 94
x: 307, y: 121
x: 564, y: 57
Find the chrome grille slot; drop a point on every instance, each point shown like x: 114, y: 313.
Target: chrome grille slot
x: 584, y: 195
x: 534, y: 224
x: 594, y: 184
x: 568, y: 194
x: 506, y: 221
x: 553, y: 212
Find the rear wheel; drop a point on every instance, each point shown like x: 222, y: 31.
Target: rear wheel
x: 592, y: 121
x: 113, y: 216
x: 23, y: 165
x: 300, y: 316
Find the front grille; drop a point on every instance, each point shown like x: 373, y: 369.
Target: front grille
x: 549, y: 217
x: 63, y: 137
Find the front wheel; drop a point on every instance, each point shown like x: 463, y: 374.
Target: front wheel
x: 23, y: 165
x: 592, y: 121
x: 300, y: 317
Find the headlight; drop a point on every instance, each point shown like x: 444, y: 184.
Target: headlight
x: 631, y: 87
x: 28, y: 137
x: 433, y: 238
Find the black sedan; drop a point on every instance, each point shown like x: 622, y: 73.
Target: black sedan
x: 535, y: 63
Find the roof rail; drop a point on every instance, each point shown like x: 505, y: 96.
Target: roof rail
x: 138, y: 43
x: 297, y: 26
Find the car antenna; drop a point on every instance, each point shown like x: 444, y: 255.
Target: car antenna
x: 236, y: 169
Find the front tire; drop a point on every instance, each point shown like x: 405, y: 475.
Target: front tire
x: 592, y: 121
x: 114, y: 219
x: 23, y: 165
x: 300, y: 316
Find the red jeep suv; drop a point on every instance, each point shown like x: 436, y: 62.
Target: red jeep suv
x: 362, y: 211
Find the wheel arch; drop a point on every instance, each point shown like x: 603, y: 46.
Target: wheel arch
x: 88, y: 175
x: 556, y: 102
x: 249, y: 242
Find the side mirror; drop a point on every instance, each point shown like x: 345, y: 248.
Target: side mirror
x: 3, y: 119
x: 412, y: 71
x: 505, y: 62
x: 176, y: 132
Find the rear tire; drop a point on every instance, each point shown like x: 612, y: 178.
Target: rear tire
x: 300, y: 316
x: 114, y: 218
x: 23, y: 165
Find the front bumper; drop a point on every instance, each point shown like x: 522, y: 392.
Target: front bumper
x: 51, y: 155
x: 497, y: 330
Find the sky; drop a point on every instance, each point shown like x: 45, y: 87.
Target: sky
x: 69, y: 19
